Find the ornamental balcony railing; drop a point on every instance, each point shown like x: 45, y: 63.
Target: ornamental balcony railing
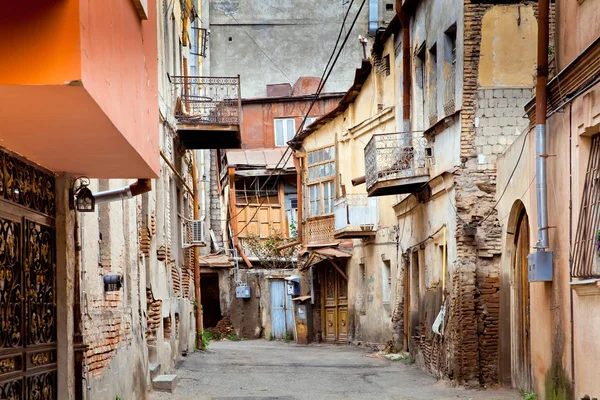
x: 319, y: 229
x: 356, y: 216
x: 397, y: 163
x: 206, y: 99
x: 450, y: 92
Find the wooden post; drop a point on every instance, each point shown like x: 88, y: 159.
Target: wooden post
x: 199, y: 322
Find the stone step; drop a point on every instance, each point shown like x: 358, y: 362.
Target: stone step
x: 154, y: 370
x: 164, y: 383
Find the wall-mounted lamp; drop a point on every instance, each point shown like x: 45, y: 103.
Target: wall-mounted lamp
x: 82, y: 198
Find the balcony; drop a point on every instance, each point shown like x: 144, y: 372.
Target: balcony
x: 208, y: 111
x: 450, y: 93
x: 356, y: 216
x: 397, y: 163
x: 319, y: 230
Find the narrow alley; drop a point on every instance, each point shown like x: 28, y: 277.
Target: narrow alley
x: 274, y: 370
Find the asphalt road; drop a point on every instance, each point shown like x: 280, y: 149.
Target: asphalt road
x: 263, y: 370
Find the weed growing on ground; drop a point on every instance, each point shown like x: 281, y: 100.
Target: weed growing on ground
x: 286, y: 337
x: 271, y: 337
x: 207, y: 336
x: 233, y: 337
x: 410, y: 361
x: 528, y: 395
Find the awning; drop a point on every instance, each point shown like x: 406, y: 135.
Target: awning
x: 313, y: 257
x: 215, y: 261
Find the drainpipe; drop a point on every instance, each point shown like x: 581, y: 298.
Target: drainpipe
x: 540, y: 129
x: 138, y: 187
x: 404, y: 17
x: 199, y: 324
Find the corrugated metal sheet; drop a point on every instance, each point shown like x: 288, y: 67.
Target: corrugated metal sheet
x: 259, y: 158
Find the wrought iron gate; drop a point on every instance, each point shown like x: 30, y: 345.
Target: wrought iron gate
x: 27, y: 281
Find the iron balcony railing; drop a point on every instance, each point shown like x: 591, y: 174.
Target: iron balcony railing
x: 393, y: 156
x: 206, y: 100
x: 450, y: 92
x: 356, y: 212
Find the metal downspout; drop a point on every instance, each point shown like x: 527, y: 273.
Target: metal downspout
x: 540, y: 130
x: 199, y: 324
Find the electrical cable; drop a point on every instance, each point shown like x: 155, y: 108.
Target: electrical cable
x: 315, y: 98
x: 509, y: 179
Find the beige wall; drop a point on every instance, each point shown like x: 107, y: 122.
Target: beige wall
x: 550, y: 301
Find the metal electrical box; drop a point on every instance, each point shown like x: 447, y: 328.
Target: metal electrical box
x: 540, y: 266
x: 242, y: 292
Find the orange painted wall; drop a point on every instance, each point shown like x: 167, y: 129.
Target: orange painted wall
x: 258, y: 129
x: 39, y: 42
x: 120, y: 69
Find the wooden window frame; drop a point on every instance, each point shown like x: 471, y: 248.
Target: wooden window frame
x: 321, y: 183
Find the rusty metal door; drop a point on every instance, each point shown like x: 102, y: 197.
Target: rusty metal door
x: 28, y: 367
x: 335, y: 305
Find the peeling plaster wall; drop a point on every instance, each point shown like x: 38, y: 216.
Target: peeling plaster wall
x: 287, y: 31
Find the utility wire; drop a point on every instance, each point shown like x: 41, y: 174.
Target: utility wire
x: 321, y: 86
x: 509, y: 179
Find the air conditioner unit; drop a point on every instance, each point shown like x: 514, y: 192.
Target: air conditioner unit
x: 195, y: 228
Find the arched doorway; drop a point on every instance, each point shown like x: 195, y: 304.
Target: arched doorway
x: 516, y: 353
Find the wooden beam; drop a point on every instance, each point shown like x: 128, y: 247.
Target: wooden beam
x: 170, y: 165
x: 339, y: 269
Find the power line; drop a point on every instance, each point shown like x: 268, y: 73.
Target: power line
x: 326, y: 75
x: 509, y: 179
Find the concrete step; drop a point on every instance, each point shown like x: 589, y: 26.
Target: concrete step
x: 164, y: 383
x: 154, y: 370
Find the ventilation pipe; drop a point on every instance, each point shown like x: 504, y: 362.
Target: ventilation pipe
x: 373, y: 16
x: 138, y: 187
x: 540, y: 261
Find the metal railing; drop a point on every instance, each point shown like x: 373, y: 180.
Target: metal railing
x: 356, y: 212
x: 206, y: 100
x: 450, y: 92
x: 393, y: 156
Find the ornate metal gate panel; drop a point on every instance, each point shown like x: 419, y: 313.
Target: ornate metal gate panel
x: 27, y: 281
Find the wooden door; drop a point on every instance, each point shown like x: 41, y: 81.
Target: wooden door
x: 335, y: 305
x: 521, y: 342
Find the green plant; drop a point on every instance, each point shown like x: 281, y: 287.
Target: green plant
x: 271, y: 337
x: 118, y: 398
x: 410, y: 361
x: 293, y: 229
x: 286, y: 337
x: 233, y: 337
x: 207, y: 336
x: 270, y: 250
x: 528, y: 395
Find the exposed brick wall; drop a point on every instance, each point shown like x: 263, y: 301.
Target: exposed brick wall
x: 186, y: 282
x: 175, y: 279
x: 154, y: 312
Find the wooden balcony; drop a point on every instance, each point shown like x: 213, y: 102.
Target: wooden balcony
x: 356, y: 216
x: 319, y: 230
x: 397, y: 163
x: 208, y: 111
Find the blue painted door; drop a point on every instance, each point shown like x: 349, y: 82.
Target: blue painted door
x: 278, y: 314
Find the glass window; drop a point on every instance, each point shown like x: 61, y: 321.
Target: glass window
x: 285, y: 130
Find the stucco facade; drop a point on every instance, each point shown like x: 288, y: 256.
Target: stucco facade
x: 283, y: 41
x: 563, y: 310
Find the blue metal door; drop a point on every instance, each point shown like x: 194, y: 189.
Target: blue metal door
x: 278, y: 312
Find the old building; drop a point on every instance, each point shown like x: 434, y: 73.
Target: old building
x: 259, y: 201
x: 410, y: 171
x: 281, y: 41
x: 548, y: 321
x: 101, y: 267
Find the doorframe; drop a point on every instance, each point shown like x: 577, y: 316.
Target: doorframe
x: 512, y: 360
